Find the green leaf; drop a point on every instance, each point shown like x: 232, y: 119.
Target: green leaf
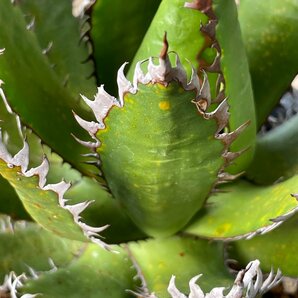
x: 276, y: 154
x: 25, y: 244
x: 243, y: 210
x: 238, y: 87
x: 95, y: 273
x: 182, y: 27
x: 277, y: 249
x: 45, y: 202
x: 156, y: 150
x: 186, y: 257
x: 30, y: 82
x: 183, y: 31
x: 269, y: 30
x: 120, y: 29
x: 59, y: 35
x: 104, y: 210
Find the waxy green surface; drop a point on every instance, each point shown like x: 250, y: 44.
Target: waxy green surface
x: 244, y: 208
x: 183, y: 257
x: 30, y: 245
x: 33, y: 89
x: 276, y: 155
x: 269, y: 30
x: 160, y: 157
x: 54, y: 24
x: 117, y: 31
x: 41, y: 204
x: 277, y: 249
x: 97, y: 273
x: 94, y: 273
x: 183, y: 32
x: 234, y: 66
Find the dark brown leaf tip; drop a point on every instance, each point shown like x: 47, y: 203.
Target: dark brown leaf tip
x: 164, y: 51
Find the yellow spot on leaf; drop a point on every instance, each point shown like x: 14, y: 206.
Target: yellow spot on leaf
x: 164, y: 105
x: 223, y: 228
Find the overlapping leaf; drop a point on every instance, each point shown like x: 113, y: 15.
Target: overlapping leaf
x: 244, y: 210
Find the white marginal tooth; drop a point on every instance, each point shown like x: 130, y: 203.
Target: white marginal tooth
x: 220, y: 114
x: 139, y: 75
x: 194, y: 83
x: 216, y: 293
x: 31, y: 25
x: 90, y: 126
x: 22, y: 158
x: 172, y: 289
x: 8, y: 108
x: 180, y: 73
x: 1, y: 52
x: 77, y: 209
x: 102, y: 244
x: 89, y: 229
x: 42, y: 171
x: 101, y: 105
x: 195, y: 290
x: 88, y: 144
x: 151, y: 68
x: 4, y: 154
x: 124, y: 85
x: 205, y: 89
x: 60, y: 188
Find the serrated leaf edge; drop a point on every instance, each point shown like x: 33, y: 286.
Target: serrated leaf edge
x: 21, y: 159
x: 163, y: 73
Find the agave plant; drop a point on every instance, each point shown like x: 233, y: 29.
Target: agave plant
x: 163, y: 176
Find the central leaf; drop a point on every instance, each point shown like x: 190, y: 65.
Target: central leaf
x: 160, y: 156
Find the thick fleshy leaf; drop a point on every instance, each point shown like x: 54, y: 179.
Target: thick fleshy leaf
x: 158, y: 260
x: 157, y: 147
x: 117, y: 31
x: 238, y: 88
x: 30, y: 82
x: 60, y: 35
x: 277, y: 249
x: 25, y: 245
x: 95, y: 273
x: 182, y: 26
x: 276, y: 156
x: 269, y: 30
x: 183, y: 31
x: 45, y: 202
x: 244, y: 210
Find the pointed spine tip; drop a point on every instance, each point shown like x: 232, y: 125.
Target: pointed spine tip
x: 164, y: 51
x: 124, y: 85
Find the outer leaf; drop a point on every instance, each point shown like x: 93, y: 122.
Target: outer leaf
x: 25, y: 244
x: 95, y: 273
x: 276, y: 154
x: 50, y: 104
x: 269, y: 30
x: 244, y: 210
x: 120, y: 29
x: 45, y: 203
x: 277, y: 249
x: 159, y: 259
x: 69, y: 56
